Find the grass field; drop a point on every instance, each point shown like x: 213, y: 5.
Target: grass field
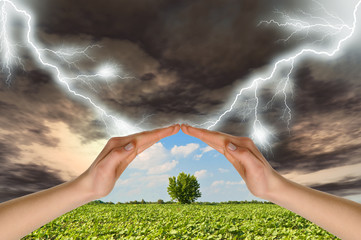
x: 173, y: 221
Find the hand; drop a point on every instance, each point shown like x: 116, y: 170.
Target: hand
x: 117, y: 154
x: 261, y: 179
x: 22, y: 215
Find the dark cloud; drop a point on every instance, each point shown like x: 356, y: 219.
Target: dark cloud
x: 21, y: 179
x: 186, y: 59
x: 346, y: 187
x: 7, y: 150
x: 203, y: 46
x: 33, y: 100
x: 18, y: 179
x: 27, y: 108
x: 325, y: 130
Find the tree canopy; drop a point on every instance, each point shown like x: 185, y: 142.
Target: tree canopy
x: 184, y: 188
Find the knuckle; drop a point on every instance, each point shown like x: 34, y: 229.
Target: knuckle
x: 138, y: 150
x: 112, y: 141
x: 243, y: 152
x: 248, y: 141
x: 136, y: 143
x: 117, y: 151
x: 101, y: 167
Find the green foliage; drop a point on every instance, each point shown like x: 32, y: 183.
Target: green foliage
x: 160, y: 201
x: 175, y: 221
x: 96, y: 202
x: 184, y: 188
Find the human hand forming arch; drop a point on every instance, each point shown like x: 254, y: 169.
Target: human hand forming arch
x: 337, y: 215
x: 260, y: 177
x: 21, y: 216
x: 99, y: 179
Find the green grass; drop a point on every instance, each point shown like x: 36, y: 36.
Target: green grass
x: 173, y: 221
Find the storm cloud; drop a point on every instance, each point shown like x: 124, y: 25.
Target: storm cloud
x: 185, y: 60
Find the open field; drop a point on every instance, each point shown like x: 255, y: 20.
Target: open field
x: 174, y: 221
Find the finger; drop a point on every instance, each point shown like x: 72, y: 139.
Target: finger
x: 202, y: 134
x: 131, y: 155
x: 244, y: 156
x: 118, y: 159
x: 116, y: 142
x: 140, y: 142
x: 236, y: 164
x: 218, y: 140
x: 146, y: 139
x: 214, y: 139
x: 249, y: 144
x: 198, y: 134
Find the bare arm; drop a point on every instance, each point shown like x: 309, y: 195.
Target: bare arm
x: 21, y: 216
x: 339, y: 216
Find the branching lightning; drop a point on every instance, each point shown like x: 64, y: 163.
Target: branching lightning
x: 296, y: 26
x: 10, y: 59
x: 320, y: 28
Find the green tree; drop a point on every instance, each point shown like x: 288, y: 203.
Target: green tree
x: 184, y: 188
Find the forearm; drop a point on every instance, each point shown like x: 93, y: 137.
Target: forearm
x: 339, y: 216
x: 21, y: 216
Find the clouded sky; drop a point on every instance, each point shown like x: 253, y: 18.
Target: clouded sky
x: 180, y: 62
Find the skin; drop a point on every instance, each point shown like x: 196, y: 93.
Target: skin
x: 19, y: 217
x: 339, y: 216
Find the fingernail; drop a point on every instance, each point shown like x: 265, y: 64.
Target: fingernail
x: 129, y: 147
x: 231, y: 147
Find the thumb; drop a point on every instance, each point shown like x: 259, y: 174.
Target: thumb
x: 242, y: 157
x: 119, y: 158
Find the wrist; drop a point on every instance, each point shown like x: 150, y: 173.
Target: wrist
x: 81, y: 187
x: 279, y: 187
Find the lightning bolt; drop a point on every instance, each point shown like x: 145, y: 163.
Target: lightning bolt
x: 326, y: 28
x: 296, y: 26
x: 10, y: 58
x: 7, y: 48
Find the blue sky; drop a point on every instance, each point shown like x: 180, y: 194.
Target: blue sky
x: 147, y: 176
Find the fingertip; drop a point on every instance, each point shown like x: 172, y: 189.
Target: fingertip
x: 167, y: 131
x: 176, y: 128
x: 193, y: 131
x: 184, y: 128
